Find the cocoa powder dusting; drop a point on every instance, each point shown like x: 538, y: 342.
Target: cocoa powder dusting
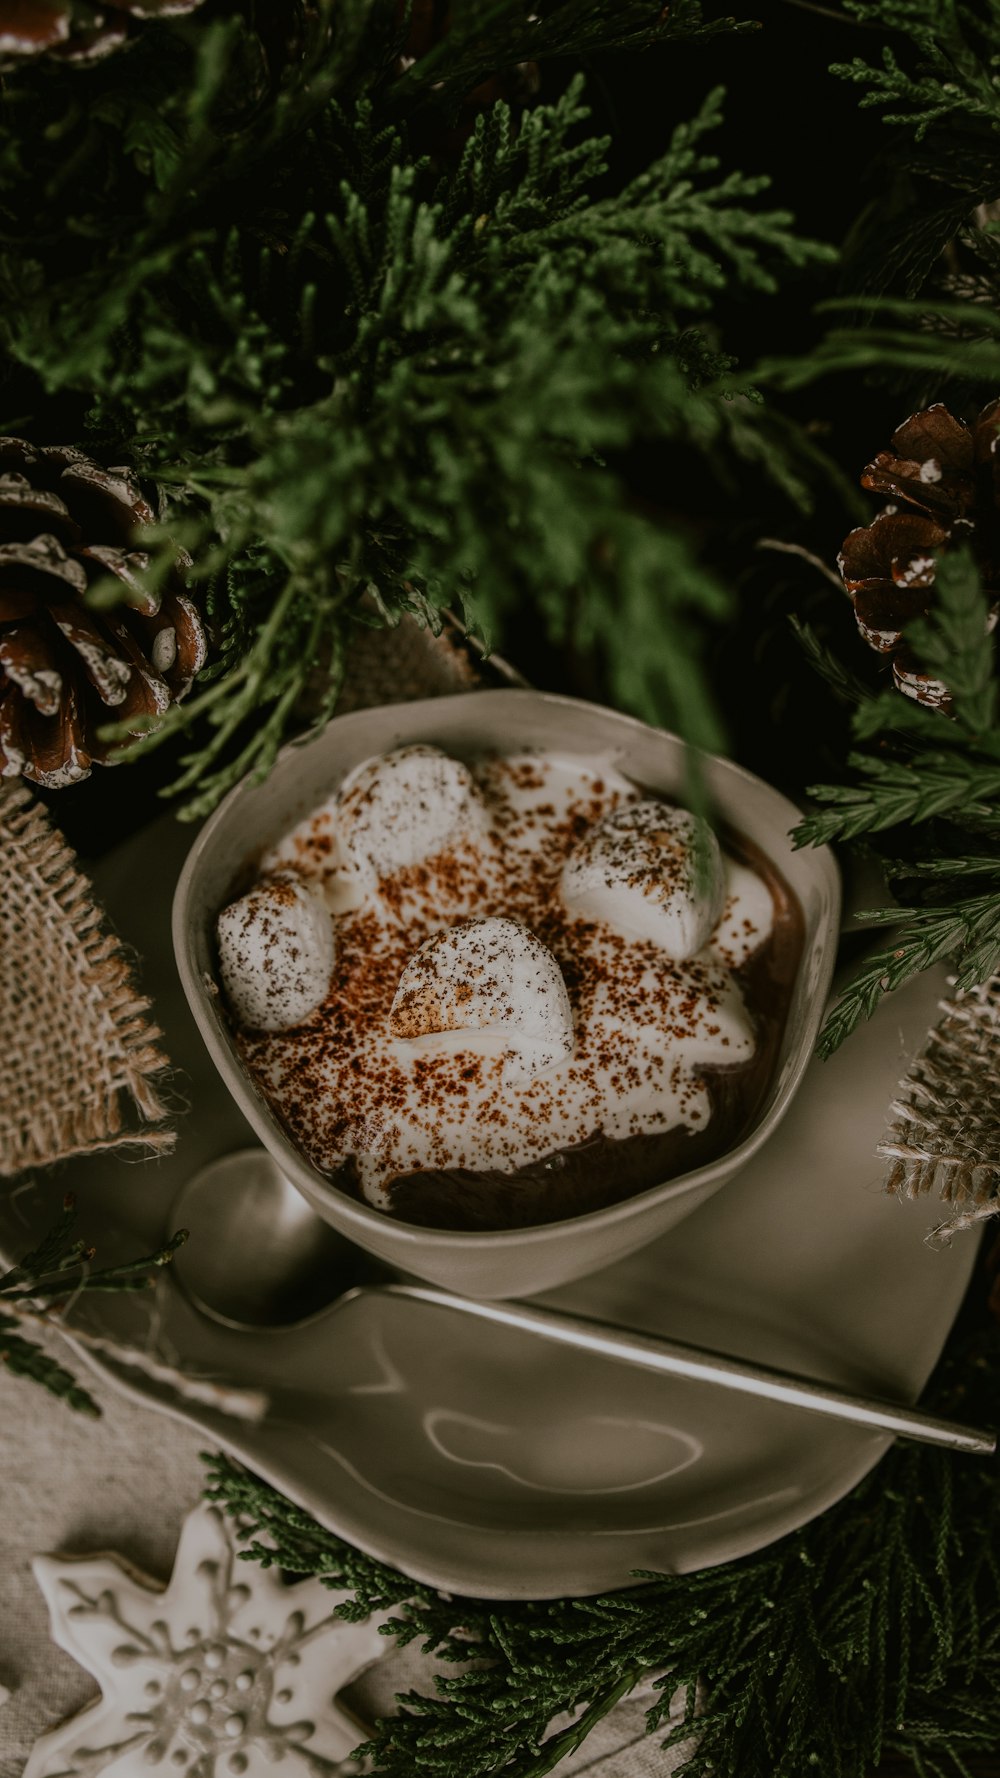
x: 519, y: 877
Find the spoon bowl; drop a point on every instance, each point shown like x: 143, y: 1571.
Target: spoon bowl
x: 259, y: 1256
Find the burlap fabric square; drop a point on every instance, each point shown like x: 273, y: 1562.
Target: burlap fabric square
x: 80, y: 1063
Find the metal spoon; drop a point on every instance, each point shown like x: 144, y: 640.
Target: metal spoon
x: 260, y: 1257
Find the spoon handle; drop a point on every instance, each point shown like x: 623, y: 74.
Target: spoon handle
x: 673, y: 1358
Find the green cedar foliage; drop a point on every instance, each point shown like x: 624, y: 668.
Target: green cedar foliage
x: 935, y: 86
x: 58, y: 1270
x: 930, y: 783
x: 379, y: 372
x: 873, y: 1631
x: 924, y: 787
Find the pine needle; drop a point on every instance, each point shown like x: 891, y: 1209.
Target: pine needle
x: 59, y: 1269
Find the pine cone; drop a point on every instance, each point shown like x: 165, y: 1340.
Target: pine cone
x: 65, y: 669
x: 943, y: 478
x: 74, y: 30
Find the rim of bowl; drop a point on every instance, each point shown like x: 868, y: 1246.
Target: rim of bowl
x: 208, y: 1015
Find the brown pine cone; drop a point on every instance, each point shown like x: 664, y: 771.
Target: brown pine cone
x: 65, y: 669
x: 74, y: 30
x: 943, y: 479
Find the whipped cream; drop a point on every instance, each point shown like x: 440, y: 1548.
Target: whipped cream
x: 276, y: 952
x: 416, y: 1063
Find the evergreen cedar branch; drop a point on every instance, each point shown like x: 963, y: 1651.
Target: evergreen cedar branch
x: 929, y: 784
x: 874, y: 1630
x: 363, y: 374
x: 58, y: 1270
x: 366, y: 374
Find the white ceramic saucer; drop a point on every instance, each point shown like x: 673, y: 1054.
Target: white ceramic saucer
x: 488, y: 1464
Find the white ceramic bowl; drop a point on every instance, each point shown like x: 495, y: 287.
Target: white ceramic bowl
x: 508, y: 1262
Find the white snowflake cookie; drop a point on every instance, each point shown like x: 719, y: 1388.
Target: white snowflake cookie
x: 225, y: 1671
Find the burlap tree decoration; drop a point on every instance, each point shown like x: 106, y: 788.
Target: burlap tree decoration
x: 409, y: 662
x: 944, y: 1138
x: 80, y: 1059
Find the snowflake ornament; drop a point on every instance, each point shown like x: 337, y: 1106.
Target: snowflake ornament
x: 226, y: 1671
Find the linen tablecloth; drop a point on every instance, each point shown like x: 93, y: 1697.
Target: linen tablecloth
x: 124, y: 1483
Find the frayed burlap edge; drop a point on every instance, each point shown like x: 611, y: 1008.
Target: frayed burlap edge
x: 80, y: 1060
x: 54, y: 947
x: 945, y: 1135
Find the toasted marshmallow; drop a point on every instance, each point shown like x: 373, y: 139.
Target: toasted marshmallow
x: 276, y: 952
x: 491, y: 976
x: 651, y: 871
x: 402, y: 807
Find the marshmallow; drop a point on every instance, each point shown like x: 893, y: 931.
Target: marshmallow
x: 276, y: 951
x: 747, y: 919
x: 491, y: 976
x: 401, y: 807
x: 651, y: 871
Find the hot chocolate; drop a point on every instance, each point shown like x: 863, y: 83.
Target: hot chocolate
x: 495, y: 994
